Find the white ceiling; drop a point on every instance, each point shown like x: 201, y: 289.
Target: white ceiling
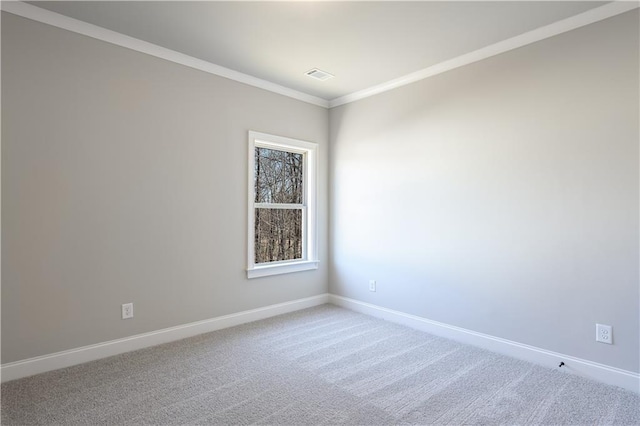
x: 362, y: 43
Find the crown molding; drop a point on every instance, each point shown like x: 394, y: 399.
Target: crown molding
x: 61, y: 21
x: 558, y: 27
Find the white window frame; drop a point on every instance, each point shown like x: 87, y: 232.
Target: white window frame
x: 309, y: 213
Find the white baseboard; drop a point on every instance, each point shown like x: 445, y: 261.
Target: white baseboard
x: 603, y: 373
x: 41, y: 364
x: 593, y: 370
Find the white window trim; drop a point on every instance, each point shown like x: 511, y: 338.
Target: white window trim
x: 310, y: 236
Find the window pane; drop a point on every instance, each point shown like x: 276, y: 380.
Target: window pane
x: 278, y: 176
x: 278, y: 235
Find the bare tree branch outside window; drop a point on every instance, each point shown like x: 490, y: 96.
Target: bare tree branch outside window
x: 278, y: 179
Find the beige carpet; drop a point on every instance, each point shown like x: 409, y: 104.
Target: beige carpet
x: 324, y: 365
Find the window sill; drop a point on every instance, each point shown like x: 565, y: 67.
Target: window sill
x: 281, y: 268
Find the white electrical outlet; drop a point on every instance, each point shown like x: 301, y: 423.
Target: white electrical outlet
x: 604, y: 334
x: 127, y: 310
x: 372, y: 285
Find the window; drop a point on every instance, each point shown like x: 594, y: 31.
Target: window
x: 282, y: 205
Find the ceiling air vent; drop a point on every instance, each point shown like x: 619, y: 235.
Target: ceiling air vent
x: 319, y: 74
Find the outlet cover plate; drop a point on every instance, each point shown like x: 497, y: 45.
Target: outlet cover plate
x: 604, y: 334
x: 127, y: 310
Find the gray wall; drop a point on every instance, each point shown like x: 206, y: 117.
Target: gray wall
x: 501, y: 197
x: 124, y: 180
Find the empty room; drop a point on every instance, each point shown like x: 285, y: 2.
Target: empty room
x: 317, y: 212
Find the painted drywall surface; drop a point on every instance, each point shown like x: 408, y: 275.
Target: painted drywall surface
x: 501, y: 197
x: 124, y: 180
